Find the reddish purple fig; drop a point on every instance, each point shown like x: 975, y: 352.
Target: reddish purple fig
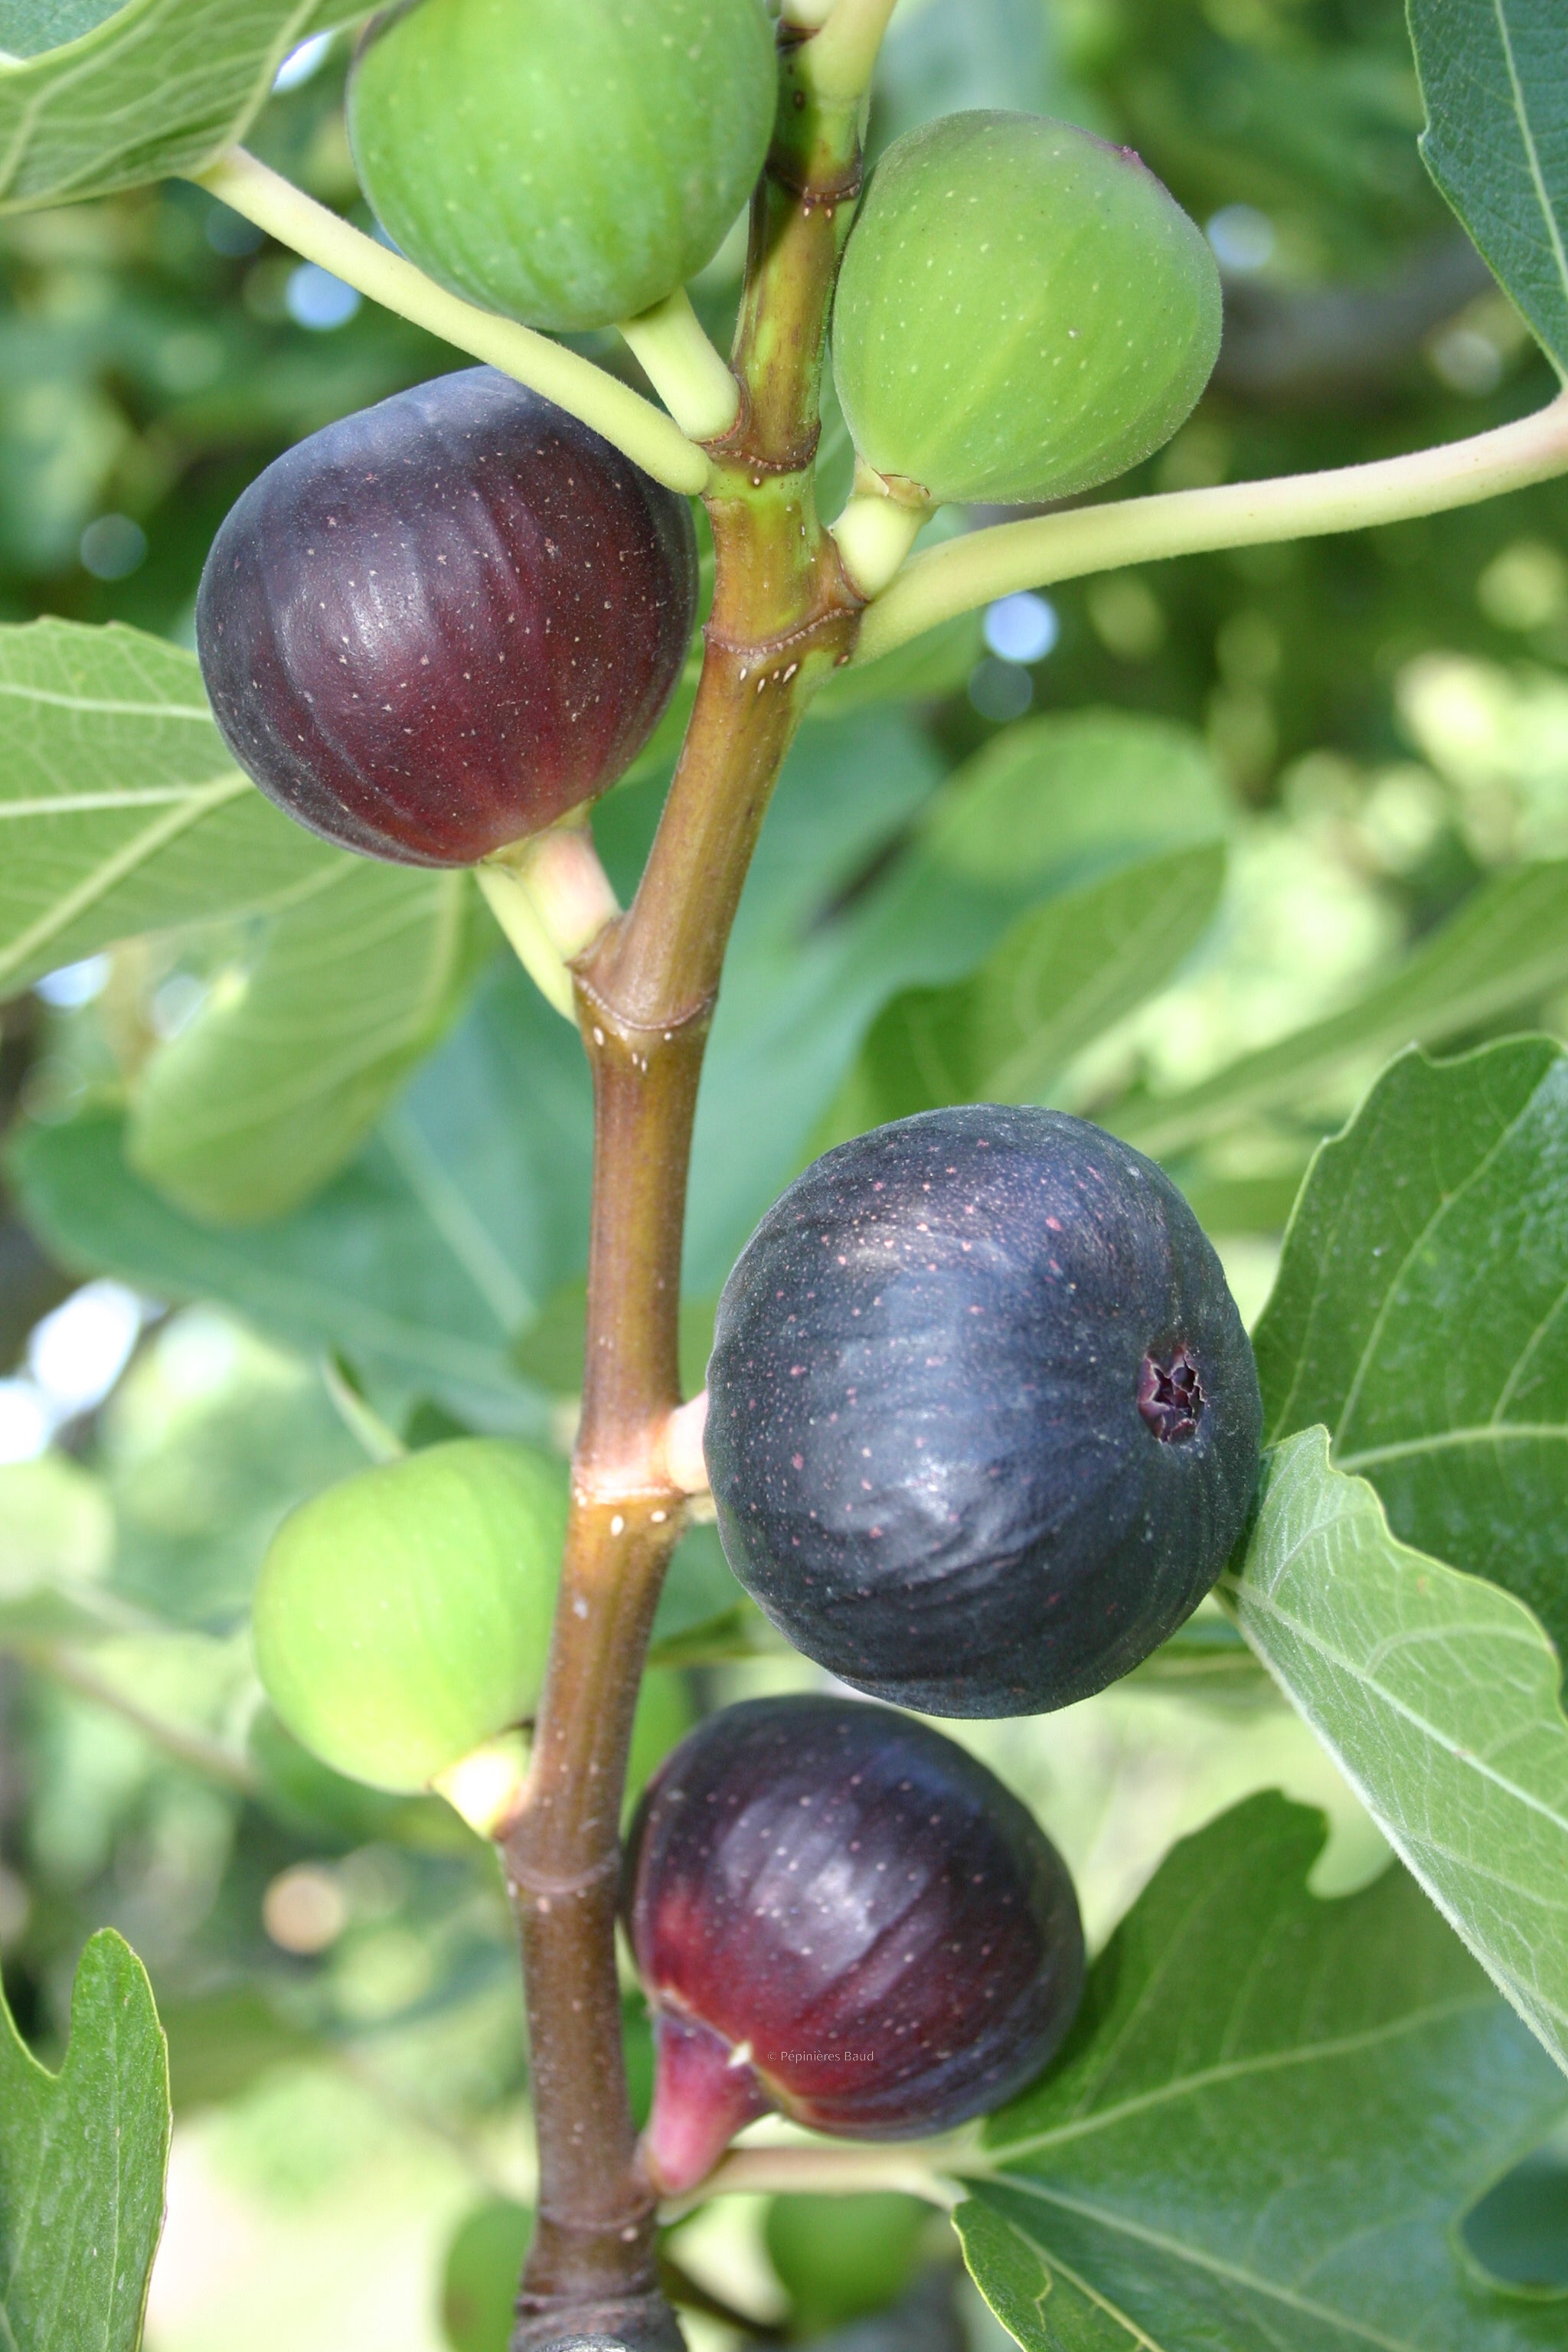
x: 438, y: 624
x: 838, y: 1913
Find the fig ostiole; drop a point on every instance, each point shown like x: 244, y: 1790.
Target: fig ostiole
x: 838, y: 1914
x: 571, y: 163
x: 443, y: 623
x: 1023, y: 311
x: 402, y: 1618
x: 982, y: 1420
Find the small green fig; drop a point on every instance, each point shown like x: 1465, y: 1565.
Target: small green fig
x: 1023, y: 311
x: 402, y: 1618
x: 570, y: 162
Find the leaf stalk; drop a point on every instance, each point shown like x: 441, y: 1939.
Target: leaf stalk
x: 966, y: 573
x: 652, y: 440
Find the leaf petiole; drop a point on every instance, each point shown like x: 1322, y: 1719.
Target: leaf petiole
x: 964, y: 574
x: 632, y: 424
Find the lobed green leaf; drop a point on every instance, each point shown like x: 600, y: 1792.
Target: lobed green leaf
x: 1268, y: 2123
x: 82, y: 2157
x: 120, y: 809
x: 426, y: 1258
x: 1419, y: 1313
x: 1061, y: 975
x: 247, y: 1112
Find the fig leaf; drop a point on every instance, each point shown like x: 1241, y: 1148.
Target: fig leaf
x: 1267, y: 2124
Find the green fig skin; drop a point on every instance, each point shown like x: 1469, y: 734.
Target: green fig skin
x: 1023, y: 311
x: 402, y: 1618
x: 568, y: 162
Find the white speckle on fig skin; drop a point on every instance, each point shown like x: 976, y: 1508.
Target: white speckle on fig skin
x: 969, y: 1385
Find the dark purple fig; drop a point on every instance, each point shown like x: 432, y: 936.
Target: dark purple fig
x: 982, y: 1420
x: 838, y: 1913
x: 438, y: 624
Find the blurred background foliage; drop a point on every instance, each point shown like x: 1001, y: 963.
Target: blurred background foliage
x: 1372, y: 726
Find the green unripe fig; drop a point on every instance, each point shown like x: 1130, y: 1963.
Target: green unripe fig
x: 568, y: 161
x: 1023, y: 311
x: 402, y: 1618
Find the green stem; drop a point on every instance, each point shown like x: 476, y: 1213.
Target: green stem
x: 650, y: 439
x: 973, y: 571
x: 683, y: 367
x: 838, y: 61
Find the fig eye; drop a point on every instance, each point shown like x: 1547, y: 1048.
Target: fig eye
x: 1171, y: 1395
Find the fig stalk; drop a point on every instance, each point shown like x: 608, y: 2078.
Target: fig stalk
x: 783, y: 618
x: 688, y: 375
x: 552, y: 897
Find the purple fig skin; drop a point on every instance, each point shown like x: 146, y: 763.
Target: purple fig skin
x: 838, y: 1913
x: 982, y: 1419
x: 440, y: 624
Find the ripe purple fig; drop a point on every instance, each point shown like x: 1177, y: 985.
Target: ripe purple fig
x: 838, y: 1913
x: 982, y: 1419
x: 440, y: 624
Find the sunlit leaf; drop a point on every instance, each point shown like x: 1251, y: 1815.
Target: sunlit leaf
x: 1436, y: 1693
x: 1506, y: 946
x: 1060, y: 976
x: 1419, y: 1312
x: 276, y: 1083
x: 120, y: 810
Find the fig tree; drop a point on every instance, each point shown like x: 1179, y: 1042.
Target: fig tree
x: 983, y: 1421
x: 439, y: 624
x: 1023, y: 311
x: 570, y: 162
x: 838, y: 1913
x: 403, y: 1617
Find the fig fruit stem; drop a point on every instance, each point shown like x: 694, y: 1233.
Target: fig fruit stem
x: 552, y: 897
x: 485, y: 1787
x: 673, y: 348
x: 841, y: 57
x: 877, y: 529
x: 965, y: 572
x: 783, y: 617
x: 652, y: 440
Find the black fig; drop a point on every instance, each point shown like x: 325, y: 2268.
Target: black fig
x: 982, y: 1420
x: 838, y: 1913
x: 438, y: 624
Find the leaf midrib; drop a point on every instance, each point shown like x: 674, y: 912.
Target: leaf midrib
x: 1532, y: 157
x: 1254, y: 1596
x: 98, y: 883
x: 1214, y: 2264
x: 1238, y: 2070
x: 1486, y: 1433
